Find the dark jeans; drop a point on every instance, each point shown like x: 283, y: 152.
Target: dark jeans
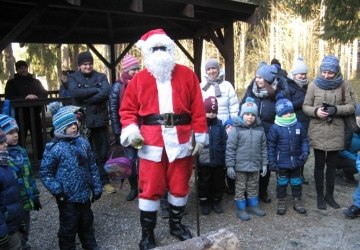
x: 330, y: 158
x: 348, y: 166
x: 286, y: 176
x: 211, y: 182
x: 76, y: 218
x: 99, y: 140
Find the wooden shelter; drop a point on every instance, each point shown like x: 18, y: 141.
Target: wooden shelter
x: 117, y: 22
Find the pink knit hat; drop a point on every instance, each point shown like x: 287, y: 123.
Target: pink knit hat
x: 129, y: 62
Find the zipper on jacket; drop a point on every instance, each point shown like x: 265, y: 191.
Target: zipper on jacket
x: 291, y: 147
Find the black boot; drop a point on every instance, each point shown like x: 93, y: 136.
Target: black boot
x: 176, y: 227
x: 319, y: 185
x: 329, y: 196
x: 133, y: 188
x: 148, y: 223
x: 352, y: 212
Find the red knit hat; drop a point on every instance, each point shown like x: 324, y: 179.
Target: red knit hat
x: 211, y: 104
x: 129, y: 62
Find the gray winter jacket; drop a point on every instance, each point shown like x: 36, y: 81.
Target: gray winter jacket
x: 246, y: 147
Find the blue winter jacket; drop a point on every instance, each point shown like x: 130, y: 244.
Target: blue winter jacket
x: 286, y: 144
x: 352, y: 152
x: 69, y: 167
x: 213, y: 154
x: 266, y: 106
x: 11, y: 208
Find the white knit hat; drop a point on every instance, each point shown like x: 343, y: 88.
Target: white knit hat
x: 299, y: 67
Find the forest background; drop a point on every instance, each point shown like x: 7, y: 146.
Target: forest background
x: 286, y: 29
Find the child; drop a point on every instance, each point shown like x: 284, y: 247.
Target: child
x: 246, y: 155
x: 288, y: 150
x: 211, y: 161
x: 11, y: 208
x: 20, y: 164
x: 68, y: 170
x: 354, y: 210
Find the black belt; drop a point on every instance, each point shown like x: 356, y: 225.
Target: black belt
x: 168, y: 119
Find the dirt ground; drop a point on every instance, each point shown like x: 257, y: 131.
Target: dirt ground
x: 117, y: 222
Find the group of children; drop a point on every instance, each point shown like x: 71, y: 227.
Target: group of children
x: 246, y: 151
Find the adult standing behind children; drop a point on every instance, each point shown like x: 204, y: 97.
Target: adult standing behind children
x: 263, y: 89
x: 64, y: 88
x: 298, y: 83
x: 90, y: 90
x: 288, y: 150
x: 211, y: 159
x: 24, y: 86
x: 20, y: 164
x: 69, y: 172
x: 130, y: 66
x: 167, y: 98
x: 325, y: 106
x: 11, y: 208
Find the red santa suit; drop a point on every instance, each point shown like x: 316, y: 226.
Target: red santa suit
x: 165, y: 158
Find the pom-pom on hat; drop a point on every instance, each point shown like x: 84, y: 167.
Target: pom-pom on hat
x: 211, y: 104
x: 299, y: 67
x: 129, y: 62
x: 2, y: 136
x: 84, y: 57
x: 7, y: 123
x: 153, y: 38
x: 62, y: 117
x: 330, y: 63
x: 249, y: 107
x: 20, y: 63
x: 283, y: 106
x: 212, y: 63
x: 267, y: 72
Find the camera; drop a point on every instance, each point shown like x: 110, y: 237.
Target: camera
x: 325, y: 106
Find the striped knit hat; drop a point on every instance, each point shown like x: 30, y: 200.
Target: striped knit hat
x: 7, y: 123
x: 129, y: 62
x: 2, y: 136
x: 62, y: 117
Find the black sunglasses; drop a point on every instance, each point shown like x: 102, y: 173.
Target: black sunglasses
x: 162, y: 48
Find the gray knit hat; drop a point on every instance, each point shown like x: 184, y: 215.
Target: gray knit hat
x: 212, y: 63
x: 267, y: 72
x: 299, y: 67
x: 330, y: 63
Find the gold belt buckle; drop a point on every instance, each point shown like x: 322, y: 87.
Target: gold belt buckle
x: 169, y: 120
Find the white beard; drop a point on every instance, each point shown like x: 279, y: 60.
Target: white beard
x: 160, y: 64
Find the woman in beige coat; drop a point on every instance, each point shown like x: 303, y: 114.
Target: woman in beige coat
x: 326, y: 105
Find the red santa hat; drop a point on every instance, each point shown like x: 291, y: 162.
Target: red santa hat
x: 154, y: 38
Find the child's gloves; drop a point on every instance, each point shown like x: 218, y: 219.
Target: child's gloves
x: 95, y: 197
x: 273, y: 167
x: 304, y: 157
x: 4, y: 241
x: 264, y: 171
x: 136, y: 140
x: 231, y: 173
x: 198, y: 148
x: 37, y: 204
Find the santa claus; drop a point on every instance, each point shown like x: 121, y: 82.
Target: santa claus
x: 167, y: 98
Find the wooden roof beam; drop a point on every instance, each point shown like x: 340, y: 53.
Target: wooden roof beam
x: 137, y: 6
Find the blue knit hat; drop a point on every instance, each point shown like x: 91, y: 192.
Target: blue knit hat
x: 2, y: 136
x: 299, y: 67
x: 267, y: 72
x: 62, y: 117
x: 7, y: 123
x: 283, y: 106
x: 249, y: 107
x: 330, y: 63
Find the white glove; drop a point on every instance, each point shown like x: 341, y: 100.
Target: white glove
x: 136, y: 140
x: 198, y: 148
x: 231, y: 173
x: 264, y: 171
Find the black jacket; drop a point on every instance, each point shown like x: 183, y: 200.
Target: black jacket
x: 297, y: 96
x: 92, y: 93
x: 117, y: 91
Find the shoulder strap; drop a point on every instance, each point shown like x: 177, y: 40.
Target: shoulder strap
x: 343, y: 92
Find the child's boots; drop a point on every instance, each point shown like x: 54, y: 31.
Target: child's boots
x: 299, y: 206
x: 352, y: 212
x: 254, y: 206
x: 281, y: 208
x: 241, y: 210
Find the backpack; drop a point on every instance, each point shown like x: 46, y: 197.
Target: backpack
x: 118, y: 168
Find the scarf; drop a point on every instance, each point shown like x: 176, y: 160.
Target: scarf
x: 286, y: 121
x: 264, y: 92
x: 125, y: 78
x: 215, y: 83
x: 301, y: 83
x: 328, y: 84
x: 4, y: 158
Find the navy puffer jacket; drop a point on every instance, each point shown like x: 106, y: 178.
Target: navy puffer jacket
x: 266, y: 106
x: 11, y: 208
x: 92, y: 93
x: 297, y: 96
x: 214, y: 154
x: 117, y: 90
x: 286, y: 144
